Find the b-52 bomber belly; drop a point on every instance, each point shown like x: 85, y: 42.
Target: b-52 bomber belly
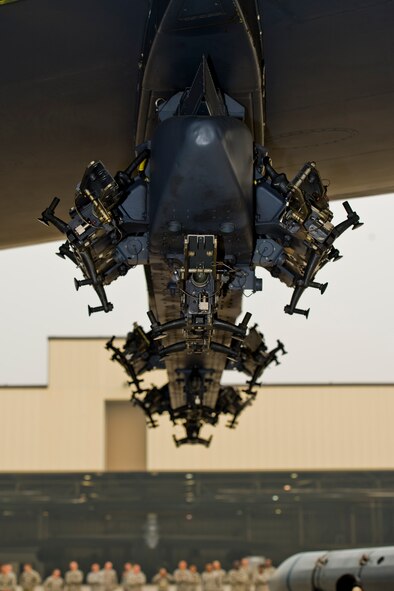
x: 179, y: 33
x: 201, y: 207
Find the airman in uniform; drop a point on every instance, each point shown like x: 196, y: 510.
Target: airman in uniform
x: 182, y: 577
x: 245, y: 575
x: 261, y: 578
x: 220, y: 575
x: 238, y: 577
x: 29, y: 578
x: 127, y: 568
x: 209, y: 578
x: 269, y: 568
x: 134, y: 580
x: 162, y: 580
x: 7, y: 578
x: 55, y: 582
x: 109, y: 577
x: 95, y: 578
x: 195, y: 579
x: 232, y: 576
x: 73, y: 577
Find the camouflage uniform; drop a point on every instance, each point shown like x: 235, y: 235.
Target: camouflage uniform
x: 245, y: 579
x: 74, y: 580
x: 182, y: 579
x: 270, y: 571
x: 209, y: 581
x: 239, y: 579
x: 261, y: 581
x: 29, y: 580
x: 95, y: 581
x: 134, y: 581
x: 123, y: 581
x: 7, y: 582
x: 220, y: 576
x: 109, y: 579
x: 162, y: 582
x: 195, y: 581
x: 53, y: 583
x: 232, y: 578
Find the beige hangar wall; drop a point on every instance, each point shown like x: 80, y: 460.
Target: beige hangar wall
x: 63, y: 427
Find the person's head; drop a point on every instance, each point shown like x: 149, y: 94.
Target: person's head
x: 136, y: 569
x: 163, y: 572
x: 8, y: 568
x: 208, y: 567
x: 236, y: 565
x: 27, y: 567
x: 73, y: 565
x: 128, y: 566
x: 182, y: 565
x: 193, y: 568
x: 245, y: 563
x: 108, y: 565
x: 216, y: 565
x: 261, y: 568
x: 56, y: 573
x: 3, y: 569
x: 95, y: 567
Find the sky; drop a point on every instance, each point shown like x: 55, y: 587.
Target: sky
x: 348, y: 338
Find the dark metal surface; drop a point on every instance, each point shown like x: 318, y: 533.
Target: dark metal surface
x: 68, y: 93
x: 221, y: 31
x: 69, y: 74
x: 329, y: 89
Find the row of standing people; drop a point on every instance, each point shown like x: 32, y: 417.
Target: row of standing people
x: 28, y: 580
x: 105, y: 579
x: 98, y: 579
x: 185, y: 578
x: 240, y: 578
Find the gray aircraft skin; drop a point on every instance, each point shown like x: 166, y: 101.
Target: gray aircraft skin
x: 69, y: 73
x: 371, y: 569
x: 201, y: 206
